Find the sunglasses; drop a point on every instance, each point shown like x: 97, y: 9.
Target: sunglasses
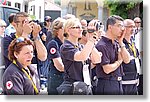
x: 50, y: 20
x: 78, y: 27
x: 20, y: 39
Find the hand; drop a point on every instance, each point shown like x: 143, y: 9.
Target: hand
x: 36, y: 29
x: 92, y: 27
x: 120, y: 38
x: 27, y: 28
x: 44, y: 37
x: 94, y: 35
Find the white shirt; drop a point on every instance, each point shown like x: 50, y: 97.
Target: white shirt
x: 10, y: 29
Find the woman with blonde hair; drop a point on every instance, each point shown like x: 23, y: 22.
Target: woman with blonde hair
x: 75, y: 57
x: 56, y: 69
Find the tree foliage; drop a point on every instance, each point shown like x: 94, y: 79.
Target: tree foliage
x: 120, y: 7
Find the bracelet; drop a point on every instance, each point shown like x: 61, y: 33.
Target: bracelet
x: 118, y: 63
x: 37, y: 38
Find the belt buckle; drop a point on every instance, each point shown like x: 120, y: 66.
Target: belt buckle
x: 119, y: 78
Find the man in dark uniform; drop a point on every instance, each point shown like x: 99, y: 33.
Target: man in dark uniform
x: 24, y: 29
x: 109, y: 72
x: 130, y: 80
x: 46, y: 34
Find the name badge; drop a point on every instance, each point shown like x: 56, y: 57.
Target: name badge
x: 86, y: 74
x: 138, y: 66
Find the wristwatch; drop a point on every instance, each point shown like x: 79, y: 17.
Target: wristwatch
x: 123, y: 45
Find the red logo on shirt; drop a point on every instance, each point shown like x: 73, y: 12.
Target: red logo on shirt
x: 52, y: 50
x: 9, y: 85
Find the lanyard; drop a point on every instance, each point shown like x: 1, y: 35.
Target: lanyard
x: 132, y: 47
x: 34, y: 86
x: 16, y: 36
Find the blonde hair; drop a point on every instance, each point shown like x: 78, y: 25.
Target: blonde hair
x: 69, y: 16
x: 56, y: 25
x: 70, y: 23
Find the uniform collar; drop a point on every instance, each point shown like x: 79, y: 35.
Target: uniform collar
x: 67, y: 41
x: 126, y: 42
x: 107, y: 39
x: 32, y: 69
x: 58, y: 40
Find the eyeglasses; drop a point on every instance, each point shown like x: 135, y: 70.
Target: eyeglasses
x: 3, y: 26
x: 137, y: 22
x: 26, y: 21
x: 130, y: 26
x: 78, y: 27
x: 50, y: 20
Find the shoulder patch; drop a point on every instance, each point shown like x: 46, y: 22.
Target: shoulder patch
x: 53, y: 50
x: 9, y: 85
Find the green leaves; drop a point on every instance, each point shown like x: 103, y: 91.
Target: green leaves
x: 120, y: 7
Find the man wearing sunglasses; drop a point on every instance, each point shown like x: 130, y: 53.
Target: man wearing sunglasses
x: 24, y: 28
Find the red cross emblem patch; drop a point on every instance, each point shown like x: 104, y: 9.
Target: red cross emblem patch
x: 9, y: 85
x: 52, y: 50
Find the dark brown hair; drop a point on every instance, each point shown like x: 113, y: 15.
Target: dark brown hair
x: 16, y: 46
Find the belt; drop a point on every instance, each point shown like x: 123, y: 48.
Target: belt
x: 130, y: 81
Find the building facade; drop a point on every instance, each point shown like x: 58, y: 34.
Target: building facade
x: 83, y: 9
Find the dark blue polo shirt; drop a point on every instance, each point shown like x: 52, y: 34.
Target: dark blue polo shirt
x: 53, y: 49
x: 73, y: 69
x: 129, y: 69
x: 110, y: 55
x: 16, y: 82
x: 7, y: 41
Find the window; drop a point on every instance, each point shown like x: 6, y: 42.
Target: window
x: 8, y: 3
x: 39, y: 12
x: 17, y: 5
x: 26, y: 8
x: 33, y: 8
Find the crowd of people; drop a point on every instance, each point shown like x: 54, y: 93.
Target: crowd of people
x: 75, y: 57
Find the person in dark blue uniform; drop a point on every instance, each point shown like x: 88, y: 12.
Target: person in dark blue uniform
x: 74, y: 55
x: 24, y: 29
x: 56, y: 67
x: 130, y: 79
x: 46, y: 34
x: 109, y: 72
x: 20, y: 78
